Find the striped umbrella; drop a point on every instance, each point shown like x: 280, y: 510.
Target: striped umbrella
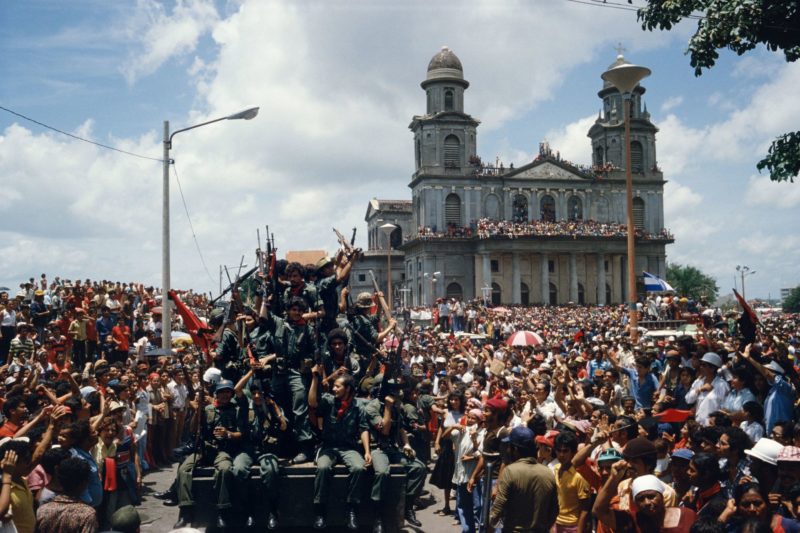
x: 524, y: 338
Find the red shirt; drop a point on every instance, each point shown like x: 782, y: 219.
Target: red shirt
x: 91, y: 329
x: 9, y: 429
x: 120, y: 334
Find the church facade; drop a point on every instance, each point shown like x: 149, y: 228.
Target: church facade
x: 548, y: 232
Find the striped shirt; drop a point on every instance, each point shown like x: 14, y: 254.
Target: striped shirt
x: 21, y: 349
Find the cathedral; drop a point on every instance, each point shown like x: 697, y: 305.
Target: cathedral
x: 547, y: 232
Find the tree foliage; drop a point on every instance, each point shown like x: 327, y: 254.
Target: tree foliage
x: 691, y: 282
x: 740, y: 26
x: 792, y: 302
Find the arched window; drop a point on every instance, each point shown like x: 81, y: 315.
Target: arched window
x: 454, y: 290
x: 449, y: 100
x: 396, y: 237
x: 638, y: 213
x: 497, y: 294
x: 599, y: 156
x: 575, y: 208
x: 525, y: 294
x: 452, y: 151
x: 581, y: 294
x: 452, y: 211
x: 520, y: 208
x: 548, y: 208
x: 419, y: 296
x: 608, y: 294
x: 553, y: 294
x: 637, y: 156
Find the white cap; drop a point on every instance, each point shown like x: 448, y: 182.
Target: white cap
x: 648, y: 482
x: 766, y: 450
x: 775, y: 367
x: 712, y: 359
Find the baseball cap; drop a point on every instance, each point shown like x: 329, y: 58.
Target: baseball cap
x: 609, y: 454
x: 521, y: 437
x: 548, y: 439
x: 224, y: 384
x: 683, y: 453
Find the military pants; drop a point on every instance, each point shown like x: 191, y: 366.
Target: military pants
x: 290, y: 392
x: 327, y: 459
x: 270, y: 475
x: 228, y: 472
x: 382, y: 459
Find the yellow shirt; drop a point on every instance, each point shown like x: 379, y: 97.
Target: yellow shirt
x: 572, y: 488
x: 22, y: 507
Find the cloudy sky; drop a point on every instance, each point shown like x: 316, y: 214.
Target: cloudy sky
x: 338, y: 82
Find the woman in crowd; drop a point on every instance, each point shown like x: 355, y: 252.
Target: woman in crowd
x: 442, y: 475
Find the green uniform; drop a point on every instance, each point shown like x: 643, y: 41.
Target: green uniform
x: 419, y: 439
x: 231, y: 464
x: 385, y: 451
x: 264, y: 442
x: 329, y: 300
x: 351, y: 362
x: 424, y: 404
x: 308, y: 292
x: 341, y: 441
x: 294, y: 347
x: 365, y: 336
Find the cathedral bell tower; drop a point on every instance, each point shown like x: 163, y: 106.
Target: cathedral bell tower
x: 445, y: 137
x: 608, y: 132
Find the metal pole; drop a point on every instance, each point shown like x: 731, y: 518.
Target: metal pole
x: 389, y: 274
x: 634, y: 320
x: 744, y: 297
x: 166, y: 311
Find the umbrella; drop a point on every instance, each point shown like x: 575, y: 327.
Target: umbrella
x: 524, y: 338
x: 501, y: 310
x: 180, y: 335
x: 156, y: 310
x: 4, y: 289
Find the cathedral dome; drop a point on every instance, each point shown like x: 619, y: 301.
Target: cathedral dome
x: 445, y: 59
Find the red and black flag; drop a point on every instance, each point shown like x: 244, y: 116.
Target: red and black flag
x: 747, y: 322
x: 201, y: 335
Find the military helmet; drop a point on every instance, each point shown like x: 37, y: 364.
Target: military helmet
x: 322, y: 263
x: 364, y: 300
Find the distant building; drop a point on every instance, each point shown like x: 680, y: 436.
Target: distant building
x: 785, y: 293
x: 546, y: 232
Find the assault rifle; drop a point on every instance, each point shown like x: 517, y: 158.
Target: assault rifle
x: 387, y: 313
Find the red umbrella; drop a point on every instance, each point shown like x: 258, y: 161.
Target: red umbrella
x: 524, y: 338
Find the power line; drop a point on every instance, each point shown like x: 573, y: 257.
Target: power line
x: 622, y: 7
x: 191, y: 226
x: 101, y: 145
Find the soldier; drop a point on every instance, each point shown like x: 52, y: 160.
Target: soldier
x: 386, y: 434
x: 365, y: 336
x: 266, y: 428
x: 294, y: 348
x: 228, y: 351
x: 330, y: 277
x: 338, y: 359
x: 344, y: 430
x: 299, y: 288
x: 223, y: 431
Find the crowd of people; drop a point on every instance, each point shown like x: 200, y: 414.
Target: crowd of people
x: 489, y: 229
x: 586, y: 427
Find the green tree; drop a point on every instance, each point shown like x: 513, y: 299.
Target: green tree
x: 740, y: 26
x: 792, y: 302
x: 691, y: 282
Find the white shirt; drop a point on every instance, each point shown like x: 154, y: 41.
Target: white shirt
x: 706, y: 402
x: 179, y: 394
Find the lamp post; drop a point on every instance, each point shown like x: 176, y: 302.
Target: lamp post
x: 432, y: 278
x: 387, y: 230
x: 744, y: 271
x: 625, y: 77
x: 166, y: 310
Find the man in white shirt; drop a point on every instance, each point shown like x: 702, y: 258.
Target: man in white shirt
x: 708, y: 390
x: 179, y: 391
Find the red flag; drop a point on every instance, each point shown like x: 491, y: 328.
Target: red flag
x: 748, y: 320
x: 673, y: 415
x: 201, y: 335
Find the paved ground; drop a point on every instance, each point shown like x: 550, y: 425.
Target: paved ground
x: 159, y: 518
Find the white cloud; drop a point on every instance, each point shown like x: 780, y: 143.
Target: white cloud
x: 761, y: 191
x: 671, y: 103
x: 161, y: 36
x: 572, y: 142
x: 679, y: 200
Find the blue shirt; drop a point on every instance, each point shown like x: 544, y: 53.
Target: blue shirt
x: 779, y: 404
x: 93, y: 495
x: 595, y: 365
x: 642, y: 391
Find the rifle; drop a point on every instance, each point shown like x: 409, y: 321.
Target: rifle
x: 391, y: 368
x: 384, y: 306
x: 239, y: 280
x: 346, y: 246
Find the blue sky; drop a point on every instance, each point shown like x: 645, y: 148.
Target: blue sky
x: 337, y: 83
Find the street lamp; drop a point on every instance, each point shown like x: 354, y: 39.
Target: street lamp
x: 387, y: 230
x: 433, y: 279
x: 625, y: 77
x: 166, y: 310
x: 743, y: 271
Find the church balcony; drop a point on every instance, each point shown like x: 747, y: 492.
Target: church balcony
x: 540, y: 229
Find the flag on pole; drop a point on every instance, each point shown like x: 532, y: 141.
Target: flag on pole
x: 655, y: 284
x: 747, y: 322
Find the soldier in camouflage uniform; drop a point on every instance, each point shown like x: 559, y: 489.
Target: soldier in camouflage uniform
x: 338, y: 359
x: 344, y: 431
x: 386, y: 435
x: 295, y: 349
x: 329, y: 279
x: 366, y: 338
x: 223, y: 432
x: 299, y: 288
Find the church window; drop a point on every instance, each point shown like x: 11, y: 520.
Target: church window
x: 448, y: 100
x: 599, y: 158
x: 520, y: 208
x: 575, y: 208
x: 454, y: 290
x: 608, y: 294
x: 551, y: 266
x: 553, y: 294
x: 497, y: 294
x: 492, y: 207
x: 495, y: 266
x: 638, y: 213
x: 430, y: 100
x: 418, y: 153
x: 548, y: 208
x: 581, y: 294
x: 636, y: 157
x: 525, y: 294
x: 452, y: 151
x: 362, y: 278
x: 452, y: 211
x: 396, y: 237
